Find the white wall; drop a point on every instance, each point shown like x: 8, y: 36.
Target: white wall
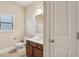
x: 30, y: 18
x: 6, y: 38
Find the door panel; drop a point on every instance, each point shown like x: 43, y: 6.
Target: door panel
x: 62, y: 28
x: 61, y: 52
x: 61, y: 21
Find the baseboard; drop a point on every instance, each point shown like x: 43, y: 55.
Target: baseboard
x: 6, y: 50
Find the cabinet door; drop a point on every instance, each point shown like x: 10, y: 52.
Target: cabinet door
x: 38, y: 52
x: 29, y: 50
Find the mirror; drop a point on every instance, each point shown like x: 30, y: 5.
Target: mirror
x: 39, y: 23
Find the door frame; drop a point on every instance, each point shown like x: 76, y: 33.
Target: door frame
x: 46, y: 48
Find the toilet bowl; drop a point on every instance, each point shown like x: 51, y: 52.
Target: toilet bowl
x: 20, y: 46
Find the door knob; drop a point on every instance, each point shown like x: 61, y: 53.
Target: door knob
x: 77, y: 35
x: 52, y: 41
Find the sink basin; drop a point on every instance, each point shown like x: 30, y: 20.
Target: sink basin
x: 36, y: 39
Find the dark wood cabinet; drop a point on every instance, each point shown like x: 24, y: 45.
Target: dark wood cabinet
x: 29, y: 50
x: 34, y: 49
x: 38, y: 53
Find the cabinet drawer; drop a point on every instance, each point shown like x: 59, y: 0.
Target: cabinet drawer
x: 39, y: 46
x: 32, y: 44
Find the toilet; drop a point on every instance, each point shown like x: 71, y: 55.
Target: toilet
x: 20, y: 46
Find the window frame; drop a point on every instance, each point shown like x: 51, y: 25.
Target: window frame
x: 8, y: 14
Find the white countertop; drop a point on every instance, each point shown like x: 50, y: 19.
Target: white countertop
x: 37, y: 40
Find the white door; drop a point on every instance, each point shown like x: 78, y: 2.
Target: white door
x: 62, y: 29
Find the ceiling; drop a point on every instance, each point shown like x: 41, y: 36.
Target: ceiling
x: 22, y: 3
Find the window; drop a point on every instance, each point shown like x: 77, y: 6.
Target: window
x: 6, y: 23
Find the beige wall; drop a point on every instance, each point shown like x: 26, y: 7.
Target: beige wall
x: 6, y: 38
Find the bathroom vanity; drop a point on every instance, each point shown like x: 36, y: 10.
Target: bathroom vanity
x: 34, y: 45
x: 34, y: 48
